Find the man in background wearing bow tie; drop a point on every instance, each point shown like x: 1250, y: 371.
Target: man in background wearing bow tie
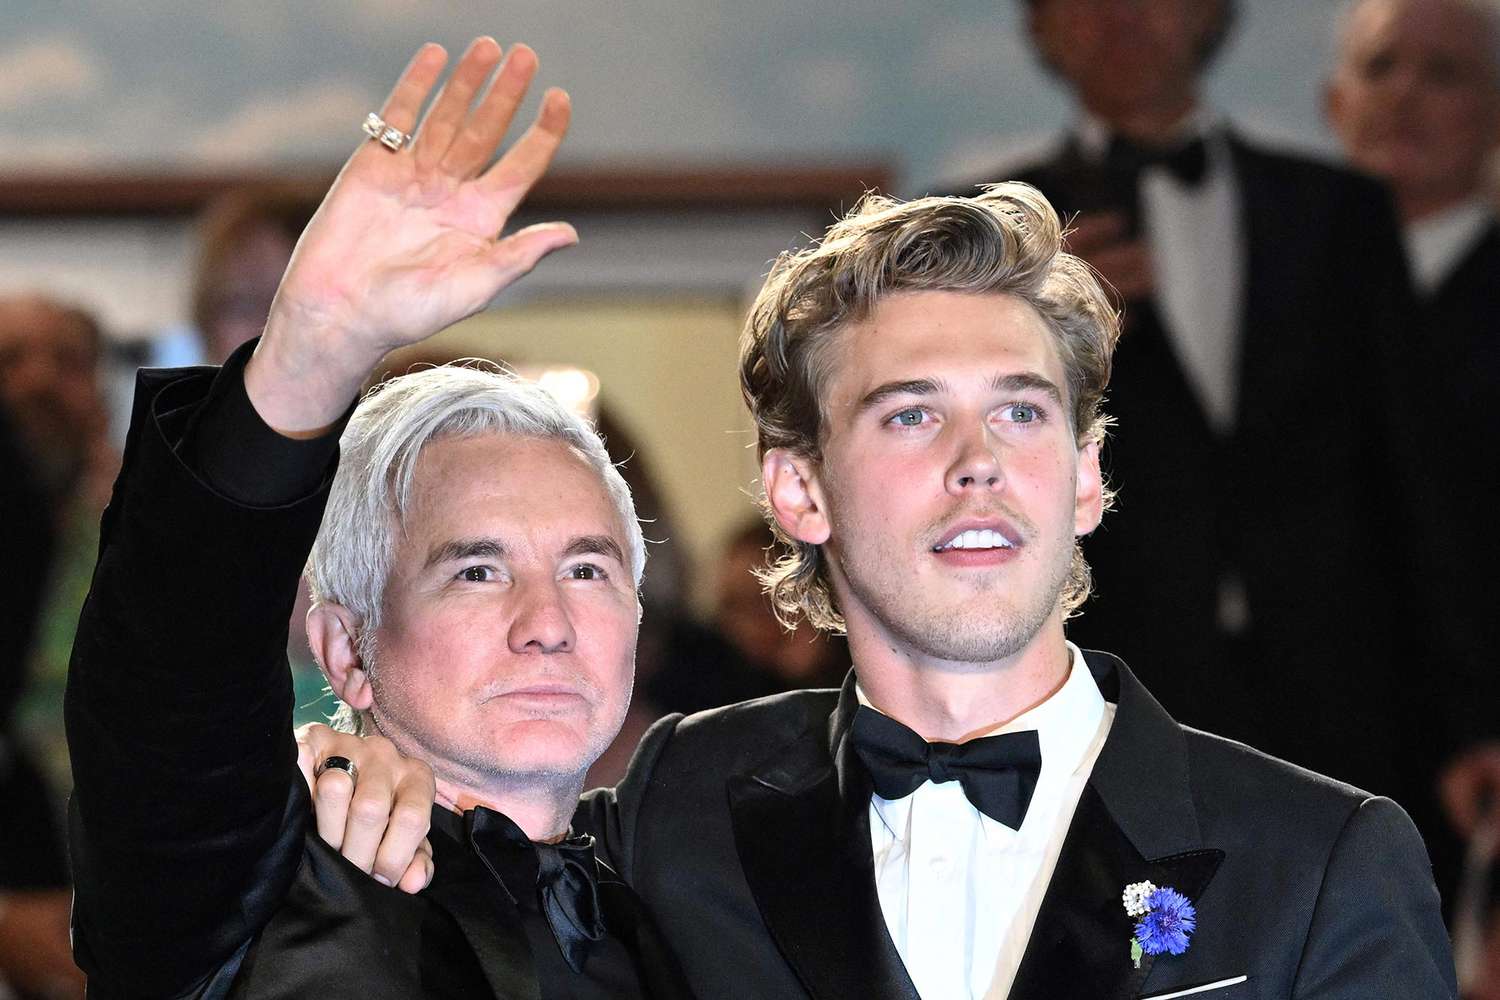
x: 475, y: 578
x: 1253, y: 566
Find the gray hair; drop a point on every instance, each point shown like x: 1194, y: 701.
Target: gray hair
x: 351, y: 558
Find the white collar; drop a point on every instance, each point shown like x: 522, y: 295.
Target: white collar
x: 1435, y: 245
x: 1066, y: 723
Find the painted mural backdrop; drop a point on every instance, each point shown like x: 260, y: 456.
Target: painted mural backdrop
x: 932, y: 87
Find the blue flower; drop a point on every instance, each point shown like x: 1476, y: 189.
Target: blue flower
x: 1167, y: 926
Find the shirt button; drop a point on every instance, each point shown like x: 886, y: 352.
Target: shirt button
x: 942, y: 867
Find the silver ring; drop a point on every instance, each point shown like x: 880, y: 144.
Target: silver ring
x: 338, y: 764
x: 389, y: 136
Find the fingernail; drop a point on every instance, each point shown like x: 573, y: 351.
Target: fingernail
x: 382, y: 880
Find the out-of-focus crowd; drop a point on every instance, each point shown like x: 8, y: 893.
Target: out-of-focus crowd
x: 1305, y: 396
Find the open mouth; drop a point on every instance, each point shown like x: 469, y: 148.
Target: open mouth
x: 975, y: 539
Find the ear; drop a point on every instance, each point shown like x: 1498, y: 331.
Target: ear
x: 331, y: 631
x: 795, y: 496
x: 1088, y: 500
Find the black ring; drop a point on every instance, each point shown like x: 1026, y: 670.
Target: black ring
x: 336, y: 763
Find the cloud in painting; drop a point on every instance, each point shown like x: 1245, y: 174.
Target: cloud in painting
x: 319, y: 122
x: 46, y: 71
x: 52, y: 152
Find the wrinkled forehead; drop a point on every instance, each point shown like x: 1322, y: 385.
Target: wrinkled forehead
x: 542, y: 486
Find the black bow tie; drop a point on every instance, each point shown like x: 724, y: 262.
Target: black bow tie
x: 567, y: 881
x: 568, y: 878
x: 1188, y: 162
x: 998, y: 773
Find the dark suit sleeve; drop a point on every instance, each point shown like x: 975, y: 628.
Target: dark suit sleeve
x: 1376, y: 929
x: 612, y: 815
x: 188, y: 811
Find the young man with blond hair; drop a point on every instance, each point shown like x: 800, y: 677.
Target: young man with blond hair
x: 983, y: 810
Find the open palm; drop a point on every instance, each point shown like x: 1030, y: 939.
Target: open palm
x: 407, y: 243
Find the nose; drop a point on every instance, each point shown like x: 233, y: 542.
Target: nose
x: 976, y: 466
x: 541, y: 623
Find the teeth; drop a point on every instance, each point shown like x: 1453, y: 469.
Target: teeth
x: 982, y: 538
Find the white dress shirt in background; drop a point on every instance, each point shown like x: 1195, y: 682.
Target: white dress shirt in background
x: 1439, y: 243
x: 960, y: 891
x: 1195, y: 235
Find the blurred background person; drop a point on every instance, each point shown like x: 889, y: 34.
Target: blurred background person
x: 55, y: 469
x: 1260, y: 291
x: 51, y: 389
x: 785, y: 659
x: 245, y: 239
x: 1415, y: 100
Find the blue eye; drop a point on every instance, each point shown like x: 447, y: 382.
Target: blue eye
x: 910, y: 418
x: 1022, y: 413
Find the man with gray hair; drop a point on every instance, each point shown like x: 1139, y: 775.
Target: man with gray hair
x: 1415, y: 100
x: 475, y: 580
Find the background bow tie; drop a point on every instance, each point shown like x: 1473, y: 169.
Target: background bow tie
x: 998, y: 773
x: 1188, y: 162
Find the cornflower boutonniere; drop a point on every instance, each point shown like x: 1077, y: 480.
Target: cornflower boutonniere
x: 1165, y: 920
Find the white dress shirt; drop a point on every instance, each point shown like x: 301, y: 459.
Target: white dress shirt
x: 1195, y: 237
x: 1439, y: 243
x: 960, y: 891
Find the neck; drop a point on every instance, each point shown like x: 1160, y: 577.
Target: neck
x: 952, y: 702
x: 543, y: 812
x: 1154, y: 124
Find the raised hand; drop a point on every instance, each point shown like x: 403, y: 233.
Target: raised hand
x: 407, y: 243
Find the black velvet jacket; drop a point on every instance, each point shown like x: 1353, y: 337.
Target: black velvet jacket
x: 198, y: 870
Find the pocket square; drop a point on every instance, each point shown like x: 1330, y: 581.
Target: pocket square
x: 1189, y: 991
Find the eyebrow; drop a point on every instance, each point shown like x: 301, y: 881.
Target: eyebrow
x: 905, y: 387
x: 1027, y: 382
x: 465, y: 548
x: 492, y: 548
x: 1016, y: 382
x: 595, y: 545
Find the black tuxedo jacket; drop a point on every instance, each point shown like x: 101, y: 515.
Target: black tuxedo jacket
x: 1453, y: 362
x: 745, y: 831
x: 1456, y: 350
x: 1299, y: 503
x: 197, y: 870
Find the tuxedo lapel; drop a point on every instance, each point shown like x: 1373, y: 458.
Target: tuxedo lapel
x: 801, y: 827
x: 488, y: 919
x: 1135, y: 822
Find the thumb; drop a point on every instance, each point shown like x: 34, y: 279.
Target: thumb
x: 519, y: 252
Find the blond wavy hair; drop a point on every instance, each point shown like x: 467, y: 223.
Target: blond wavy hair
x: 1007, y: 240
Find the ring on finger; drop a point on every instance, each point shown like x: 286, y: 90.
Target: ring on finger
x: 338, y: 764
x: 389, y: 136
